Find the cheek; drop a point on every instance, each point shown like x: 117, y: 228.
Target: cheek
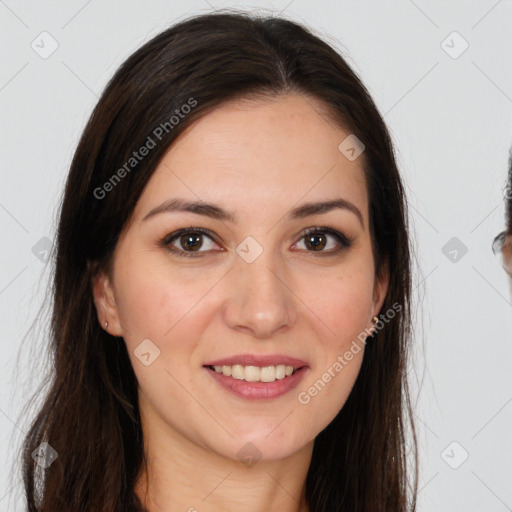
x: 141, y: 305
x: 164, y: 311
x: 322, y: 396
x: 342, y: 304
x: 170, y: 309
x: 341, y: 309
x: 150, y: 300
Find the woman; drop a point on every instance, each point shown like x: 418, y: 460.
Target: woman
x: 231, y: 318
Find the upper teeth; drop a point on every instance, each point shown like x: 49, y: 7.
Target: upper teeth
x: 255, y: 373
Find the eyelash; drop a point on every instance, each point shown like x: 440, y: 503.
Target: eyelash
x: 344, y: 241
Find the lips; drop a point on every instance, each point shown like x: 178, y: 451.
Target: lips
x: 258, y: 390
x: 259, y: 360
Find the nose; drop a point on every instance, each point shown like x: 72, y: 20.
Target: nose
x: 260, y: 298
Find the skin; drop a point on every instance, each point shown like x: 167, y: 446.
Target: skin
x: 258, y: 159
x: 507, y: 258
x: 507, y: 253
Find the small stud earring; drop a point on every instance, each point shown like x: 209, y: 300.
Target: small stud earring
x: 106, y: 325
x: 375, y: 319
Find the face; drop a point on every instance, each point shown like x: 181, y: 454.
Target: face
x: 505, y: 256
x: 502, y: 248
x: 204, y: 287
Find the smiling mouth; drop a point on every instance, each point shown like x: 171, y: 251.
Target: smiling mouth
x: 256, y: 373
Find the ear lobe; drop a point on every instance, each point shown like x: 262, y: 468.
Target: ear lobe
x: 104, y: 300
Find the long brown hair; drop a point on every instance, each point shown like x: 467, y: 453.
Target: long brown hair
x: 89, y: 414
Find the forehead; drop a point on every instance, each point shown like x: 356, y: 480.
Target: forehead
x: 260, y: 154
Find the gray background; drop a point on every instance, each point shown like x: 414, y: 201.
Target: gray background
x: 451, y: 119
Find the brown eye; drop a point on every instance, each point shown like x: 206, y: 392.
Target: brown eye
x: 317, y: 239
x: 191, y: 241
x: 186, y: 242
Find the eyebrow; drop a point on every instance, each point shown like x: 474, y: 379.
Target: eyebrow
x: 217, y: 212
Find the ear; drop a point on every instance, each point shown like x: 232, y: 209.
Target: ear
x: 380, y: 289
x: 104, y: 300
